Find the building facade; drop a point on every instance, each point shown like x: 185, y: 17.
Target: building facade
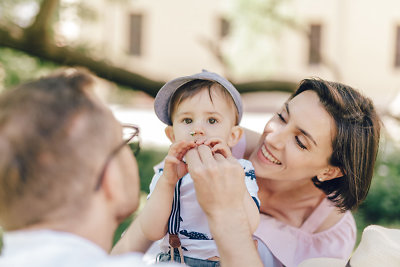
x: 355, y: 42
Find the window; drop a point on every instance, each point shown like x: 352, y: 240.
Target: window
x: 224, y: 27
x: 397, y: 48
x: 315, y: 44
x: 135, y: 34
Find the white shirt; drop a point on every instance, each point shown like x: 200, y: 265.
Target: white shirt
x: 195, y: 236
x: 47, y: 248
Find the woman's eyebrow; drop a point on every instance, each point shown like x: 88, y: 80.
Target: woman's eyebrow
x: 301, y: 130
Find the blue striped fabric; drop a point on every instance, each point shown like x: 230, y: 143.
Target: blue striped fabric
x: 174, y: 218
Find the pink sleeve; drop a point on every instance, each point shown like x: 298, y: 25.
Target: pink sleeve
x: 239, y: 149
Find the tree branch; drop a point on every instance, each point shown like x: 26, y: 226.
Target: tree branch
x: 29, y: 41
x: 39, y: 34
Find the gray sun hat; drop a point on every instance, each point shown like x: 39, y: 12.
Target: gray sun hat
x: 162, y: 103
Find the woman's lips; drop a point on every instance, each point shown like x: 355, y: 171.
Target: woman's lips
x: 269, y: 156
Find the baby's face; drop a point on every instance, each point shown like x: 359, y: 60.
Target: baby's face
x: 199, y: 118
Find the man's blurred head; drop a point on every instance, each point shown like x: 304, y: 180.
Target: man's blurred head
x: 55, y: 138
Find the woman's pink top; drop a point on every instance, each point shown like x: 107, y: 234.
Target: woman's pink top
x: 291, y: 245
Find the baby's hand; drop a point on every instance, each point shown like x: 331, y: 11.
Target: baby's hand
x: 174, y: 167
x: 217, y: 145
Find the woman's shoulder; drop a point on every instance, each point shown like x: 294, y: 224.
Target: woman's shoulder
x: 317, y: 225
x: 326, y: 216
x: 334, y: 237
x: 334, y: 218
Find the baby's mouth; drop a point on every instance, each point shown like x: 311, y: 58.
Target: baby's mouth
x: 269, y: 156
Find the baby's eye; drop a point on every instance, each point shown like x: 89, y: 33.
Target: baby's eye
x: 212, y: 120
x: 187, y: 120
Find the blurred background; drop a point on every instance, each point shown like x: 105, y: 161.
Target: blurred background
x: 265, y: 47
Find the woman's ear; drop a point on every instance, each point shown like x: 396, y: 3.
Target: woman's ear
x: 235, y: 135
x: 169, y: 132
x: 329, y: 173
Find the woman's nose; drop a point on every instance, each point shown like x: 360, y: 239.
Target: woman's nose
x: 276, y: 135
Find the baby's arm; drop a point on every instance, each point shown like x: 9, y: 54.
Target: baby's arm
x: 153, y: 219
x: 253, y: 214
x: 251, y: 200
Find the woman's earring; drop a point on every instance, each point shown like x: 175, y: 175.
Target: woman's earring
x: 320, y: 179
x: 192, y: 133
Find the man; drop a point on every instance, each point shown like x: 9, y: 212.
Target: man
x: 67, y: 179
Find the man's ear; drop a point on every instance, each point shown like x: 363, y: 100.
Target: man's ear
x: 169, y: 132
x: 329, y: 173
x: 110, y: 185
x: 235, y: 135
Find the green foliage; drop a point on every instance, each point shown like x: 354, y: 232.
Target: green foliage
x: 146, y: 159
x: 382, y: 203
x: 17, y: 67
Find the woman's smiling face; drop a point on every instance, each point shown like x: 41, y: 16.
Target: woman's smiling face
x: 297, y: 142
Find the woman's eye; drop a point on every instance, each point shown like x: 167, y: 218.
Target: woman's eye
x: 187, y: 120
x: 281, y: 117
x: 299, y: 143
x: 212, y: 121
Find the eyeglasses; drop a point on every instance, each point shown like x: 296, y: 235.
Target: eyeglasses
x: 130, y: 136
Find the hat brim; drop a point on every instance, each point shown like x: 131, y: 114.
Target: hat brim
x: 162, y: 101
x: 164, y: 95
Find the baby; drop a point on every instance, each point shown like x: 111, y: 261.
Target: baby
x: 201, y: 109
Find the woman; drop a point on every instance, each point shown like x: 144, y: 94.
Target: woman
x: 314, y: 163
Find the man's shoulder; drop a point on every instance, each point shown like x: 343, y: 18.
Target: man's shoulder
x: 62, y: 249
x: 130, y: 259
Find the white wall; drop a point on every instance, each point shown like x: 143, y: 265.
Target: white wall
x: 358, y: 40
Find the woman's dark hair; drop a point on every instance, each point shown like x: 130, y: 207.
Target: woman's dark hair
x: 355, y: 144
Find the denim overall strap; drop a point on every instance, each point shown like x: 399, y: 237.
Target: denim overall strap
x: 174, y: 223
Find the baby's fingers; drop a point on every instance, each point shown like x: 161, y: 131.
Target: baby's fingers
x: 180, y: 148
x: 213, y: 141
x: 222, y: 149
x: 171, y: 160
